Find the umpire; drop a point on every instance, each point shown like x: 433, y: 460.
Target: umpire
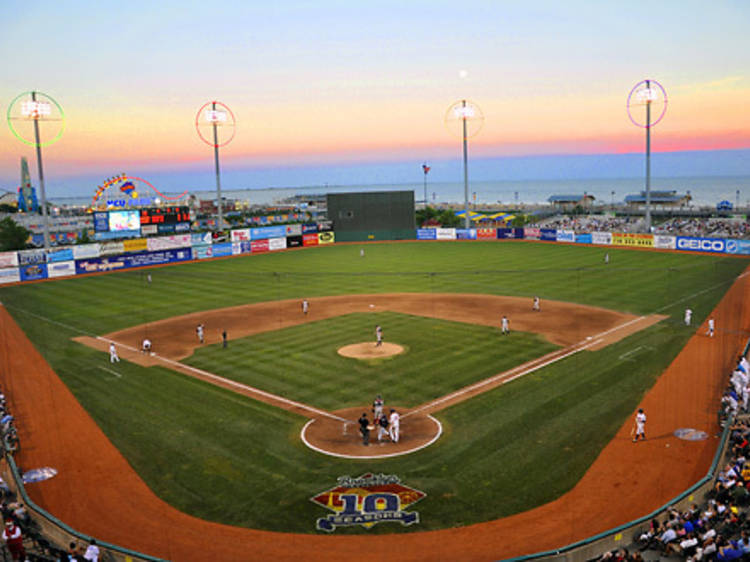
x: 364, y: 428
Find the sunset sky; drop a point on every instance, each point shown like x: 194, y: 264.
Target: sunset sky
x: 352, y: 84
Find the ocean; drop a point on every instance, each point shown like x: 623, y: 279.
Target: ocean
x: 705, y: 191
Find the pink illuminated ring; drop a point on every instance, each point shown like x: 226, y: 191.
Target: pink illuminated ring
x: 218, y: 115
x: 644, y: 93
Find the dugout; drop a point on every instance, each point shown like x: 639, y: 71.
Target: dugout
x: 373, y: 215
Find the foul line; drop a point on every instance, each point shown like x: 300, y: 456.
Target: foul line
x: 237, y: 384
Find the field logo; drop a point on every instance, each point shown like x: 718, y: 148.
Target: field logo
x: 366, y: 501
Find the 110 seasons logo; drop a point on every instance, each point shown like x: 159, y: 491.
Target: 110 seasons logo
x: 366, y: 501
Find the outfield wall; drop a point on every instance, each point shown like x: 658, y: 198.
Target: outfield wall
x: 33, y: 265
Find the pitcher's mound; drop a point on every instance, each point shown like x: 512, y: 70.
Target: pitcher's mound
x: 368, y: 350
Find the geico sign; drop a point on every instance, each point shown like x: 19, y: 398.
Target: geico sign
x: 700, y: 244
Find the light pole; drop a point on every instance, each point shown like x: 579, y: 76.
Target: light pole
x: 467, y: 118
x: 216, y: 115
x: 426, y: 170
x: 29, y: 108
x: 647, y: 93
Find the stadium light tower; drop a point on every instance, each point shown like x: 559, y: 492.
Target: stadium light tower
x: 652, y: 96
x: 214, y: 116
x: 465, y: 118
x: 25, y: 113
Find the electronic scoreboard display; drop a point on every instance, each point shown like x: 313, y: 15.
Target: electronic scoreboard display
x: 165, y: 215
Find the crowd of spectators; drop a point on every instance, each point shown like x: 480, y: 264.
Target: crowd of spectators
x: 702, y: 227
x: 718, y: 530
x: 708, y: 227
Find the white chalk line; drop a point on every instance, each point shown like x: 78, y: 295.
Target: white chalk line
x: 235, y: 384
x: 111, y: 371
x: 371, y: 457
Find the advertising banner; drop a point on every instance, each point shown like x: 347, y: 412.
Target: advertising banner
x: 293, y: 230
x: 63, y: 254
x: 259, y: 246
x: 738, y: 246
x: 132, y: 260
x: 665, y: 242
x: 426, y: 234
x: 632, y: 239
x: 109, y: 248
x: 203, y: 252
x: 565, y: 236
x: 445, y: 233
x: 309, y: 228
x: 486, y: 233
x: 310, y: 239
x: 168, y: 242
x: 8, y: 259
x: 549, y: 234
x: 294, y: 241
x: 137, y: 245
x: 518, y: 233
x: 237, y: 248
x: 503, y: 233
x: 325, y: 226
x: 33, y: 272
x: 31, y: 257
x: 583, y: 238
x: 695, y: 244
x: 466, y: 234
x: 326, y: 237
x: 182, y: 227
x: 165, y: 228
x: 532, y: 233
x: 86, y: 251
x: 265, y: 232
x: 277, y: 244
x: 222, y: 249
x: 149, y: 229
x: 61, y: 269
x: 10, y: 275
x: 601, y: 238
x: 240, y: 235
x: 101, y: 221
x: 198, y: 238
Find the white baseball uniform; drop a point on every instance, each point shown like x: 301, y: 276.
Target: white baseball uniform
x: 305, y: 306
x: 113, y: 353
x: 640, y: 425
x: 504, y: 325
x: 199, y: 331
x: 688, y: 316
x: 536, y: 304
x: 710, y: 327
x: 146, y: 345
x: 393, y: 428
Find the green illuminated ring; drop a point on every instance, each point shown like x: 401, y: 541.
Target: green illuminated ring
x: 18, y: 135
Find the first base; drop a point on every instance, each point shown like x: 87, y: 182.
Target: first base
x: 372, y: 306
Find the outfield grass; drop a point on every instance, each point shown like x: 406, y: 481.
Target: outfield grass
x: 227, y: 458
x: 301, y: 363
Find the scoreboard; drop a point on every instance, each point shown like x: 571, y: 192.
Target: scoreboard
x: 165, y: 215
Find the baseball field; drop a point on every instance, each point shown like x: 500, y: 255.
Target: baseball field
x: 231, y: 455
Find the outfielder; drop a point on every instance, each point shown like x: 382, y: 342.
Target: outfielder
x: 113, y: 353
x: 606, y: 258
x: 394, y: 425
x: 378, y: 336
x: 710, y: 332
x: 640, y: 425
x: 504, y: 327
x: 688, y: 316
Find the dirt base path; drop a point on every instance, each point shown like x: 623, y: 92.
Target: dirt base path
x: 97, y: 492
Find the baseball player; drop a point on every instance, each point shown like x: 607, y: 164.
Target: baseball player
x: 113, y: 353
x: 378, y: 336
x: 148, y: 278
x: 640, y: 425
x: 393, y: 428
x: 224, y: 339
x: 361, y: 252
x: 305, y: 306
x: 504, y: 326
x: 377, y: 407
x: 536, y: 305
x: 606, y: 258
x: 146, y: 346
x: 199, y: 332
x: 711, y: 325
x: 364, y: 428
x: 382, y: 422
x: 688, y: 316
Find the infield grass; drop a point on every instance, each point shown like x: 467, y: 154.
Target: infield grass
x: 228, y: 458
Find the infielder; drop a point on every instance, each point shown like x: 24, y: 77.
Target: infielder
x: 146, y: 347
x: 305, y: 306
x: 640, y: 425
x: 199, y: 332
x: 393, y: 428
x: 377, y: 407
x: 536, y: 305
x: 688, y: 316
x: 711, y: 325
x: 504, y: 325
x: 378, y: 336
x: 113, y: 353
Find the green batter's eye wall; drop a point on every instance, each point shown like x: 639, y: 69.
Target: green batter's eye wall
x: 375, y: 215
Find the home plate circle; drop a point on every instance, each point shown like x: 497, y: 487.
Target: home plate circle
x: 368, y: 350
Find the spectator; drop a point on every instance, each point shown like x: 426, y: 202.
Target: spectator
x: 14, y: 540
